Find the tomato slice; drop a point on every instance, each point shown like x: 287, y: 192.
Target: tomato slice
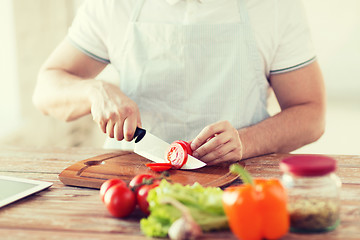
x: 159, y: 167
x: 177, y: 154
x: 187, y: 145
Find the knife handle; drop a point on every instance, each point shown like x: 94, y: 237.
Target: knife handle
x: 139, y: 134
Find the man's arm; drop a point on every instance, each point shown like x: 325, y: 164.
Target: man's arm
x: 61, y: 89
x: 301, y: 95
x: 66, y: 89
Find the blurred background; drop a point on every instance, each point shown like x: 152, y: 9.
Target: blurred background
x: 32, y: 29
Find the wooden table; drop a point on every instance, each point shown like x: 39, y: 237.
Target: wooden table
x: 64, y: 212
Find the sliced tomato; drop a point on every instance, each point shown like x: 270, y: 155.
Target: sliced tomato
x: 177, y: 154
x: 187, y: 145
x: 159, y: 167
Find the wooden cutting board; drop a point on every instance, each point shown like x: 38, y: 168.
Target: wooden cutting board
x: 125, y: 165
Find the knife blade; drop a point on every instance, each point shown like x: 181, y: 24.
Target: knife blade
x: 154, y: 149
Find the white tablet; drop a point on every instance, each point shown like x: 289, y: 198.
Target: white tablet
x: 13, y: 189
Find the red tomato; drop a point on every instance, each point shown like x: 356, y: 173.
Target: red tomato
x: 187, y: 145
x: 159, y: 167
x: 120, y: 201
x: 109, y: 183
x: 139, y: 179
x: 136, y: 182
x: 177, y: 154
x: 141, y: 197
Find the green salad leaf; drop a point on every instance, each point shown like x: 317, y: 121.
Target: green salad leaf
x: 204, y: 204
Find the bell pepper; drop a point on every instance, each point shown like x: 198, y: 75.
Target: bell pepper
x: 256, y: 209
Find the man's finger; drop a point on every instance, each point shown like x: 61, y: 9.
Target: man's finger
x: 211, y: 144
x: 110, y: 128
x: 118, y: 131
x: 130, y: 125
x: 207, y: 133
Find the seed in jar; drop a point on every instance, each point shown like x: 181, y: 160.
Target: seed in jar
x: 313, y: 214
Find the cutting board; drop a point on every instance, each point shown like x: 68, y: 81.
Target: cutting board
x: 125, y: 165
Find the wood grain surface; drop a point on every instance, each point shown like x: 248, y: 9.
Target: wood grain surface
x: 92, y: 172
x: 65, y: 212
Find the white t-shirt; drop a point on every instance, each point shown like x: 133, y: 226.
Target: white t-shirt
x: 280, y: 26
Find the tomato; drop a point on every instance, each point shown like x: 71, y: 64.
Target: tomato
x: 187, y: 145
x: 177, y: 154
x: 136, y: 182
x: 159, y: 167
x: 109, y: 183
x: 120, y: 200
x: 141, y: 197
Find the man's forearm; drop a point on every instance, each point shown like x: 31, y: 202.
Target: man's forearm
x: 66, y: 81
x: 63, y: 95
x: 288, y: 130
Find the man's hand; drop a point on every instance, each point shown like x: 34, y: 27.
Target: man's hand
x: 115, y: 113
x: 218, y: 142
x: 67, y: 89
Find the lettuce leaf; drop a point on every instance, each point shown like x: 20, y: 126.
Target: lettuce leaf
x: 204, y: 203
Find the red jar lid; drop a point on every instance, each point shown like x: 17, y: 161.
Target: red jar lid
x: 308, y: 165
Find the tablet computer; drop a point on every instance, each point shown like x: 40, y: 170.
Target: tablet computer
x: 13, y: 188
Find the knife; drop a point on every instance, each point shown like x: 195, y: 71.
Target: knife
x: 154, y: 149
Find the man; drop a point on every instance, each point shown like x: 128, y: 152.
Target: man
x: 192, y: 70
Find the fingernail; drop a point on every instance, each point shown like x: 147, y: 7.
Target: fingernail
x: 195, y: 154
x: 193, y: 146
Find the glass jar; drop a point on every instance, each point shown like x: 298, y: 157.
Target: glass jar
x: 313, y: 192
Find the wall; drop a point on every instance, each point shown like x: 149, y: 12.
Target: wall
x: 10, y: 106
x: 39, y: 25
x: 335, y: 29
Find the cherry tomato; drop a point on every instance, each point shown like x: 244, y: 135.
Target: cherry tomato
x: 159, y: 167
x: 109, y: 183
x: 120, y: 201
x: 138, y: 180
x: 177, y: 154
x: 141, y: 197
